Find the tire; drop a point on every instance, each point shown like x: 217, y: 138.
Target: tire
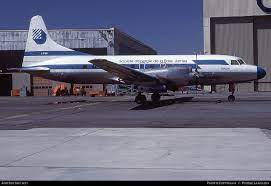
x: 155, y: 97
x: 140, y: 99
x: 231, y: 98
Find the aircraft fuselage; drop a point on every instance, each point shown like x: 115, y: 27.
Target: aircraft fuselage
x: 212, y: 69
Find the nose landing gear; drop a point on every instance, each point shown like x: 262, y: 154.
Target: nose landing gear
x: 231, y: 97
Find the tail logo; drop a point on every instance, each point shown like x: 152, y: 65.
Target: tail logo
x: 263, y: 7
x: 39, y: 36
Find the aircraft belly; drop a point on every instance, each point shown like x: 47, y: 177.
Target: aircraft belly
x: 81, y: 77
x: 226, y: 77
x: 207, y: 76
x: 223, y: 74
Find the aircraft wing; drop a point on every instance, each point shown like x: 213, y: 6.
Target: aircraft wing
x: 125, y: 73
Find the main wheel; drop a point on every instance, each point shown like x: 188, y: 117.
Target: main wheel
x: 231, y: 98
x: 140, y: 99
x: 155, y: 97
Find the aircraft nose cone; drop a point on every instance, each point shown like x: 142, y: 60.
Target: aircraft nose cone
x: 260, y: 73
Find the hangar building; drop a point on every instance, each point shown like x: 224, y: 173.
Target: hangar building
x: 110, y: 41
x: 241, y: 28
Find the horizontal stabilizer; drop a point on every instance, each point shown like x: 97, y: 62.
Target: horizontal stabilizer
x: 31, y: 70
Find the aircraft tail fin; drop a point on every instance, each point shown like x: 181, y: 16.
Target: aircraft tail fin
x: 39, y: 45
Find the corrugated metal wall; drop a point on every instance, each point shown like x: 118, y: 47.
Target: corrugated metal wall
x: 242, y: 28
x: 263, y: 27
x: 12, y: 40
x: 229, y: 8
x: 247, y: 37
x: 81, y: 38
x: 124, y: 44
x: 232, y: 38
x: 71, y: 38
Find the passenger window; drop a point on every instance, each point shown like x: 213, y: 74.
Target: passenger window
x: 141, y: 66
x: 163, y: 65
x: 152, y: 66
x: 234, y: 62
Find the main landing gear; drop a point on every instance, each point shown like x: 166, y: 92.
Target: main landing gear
x: 231, y: 97
x: 155, y: 97
x: 141, y: 99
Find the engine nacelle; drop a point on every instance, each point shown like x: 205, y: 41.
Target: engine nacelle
x: 177, y: 76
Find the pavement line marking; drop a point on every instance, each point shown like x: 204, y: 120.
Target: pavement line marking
x: 46, y: 111
x: 77, y: 106
x: 116, y: 100
x: 134, y: 168
x: 65, y: 140
x: 16, y: 116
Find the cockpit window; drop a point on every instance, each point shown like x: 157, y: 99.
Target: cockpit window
x: 241, y: 62
x: 234, y: 62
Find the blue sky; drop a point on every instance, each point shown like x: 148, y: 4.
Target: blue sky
x: 169, y: 26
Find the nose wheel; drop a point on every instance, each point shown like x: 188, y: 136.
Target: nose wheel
x: 140, y: 99
x: 231, y: 97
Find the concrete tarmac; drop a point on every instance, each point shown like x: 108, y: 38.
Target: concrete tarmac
x: 112, y: 138
x: 204, y: 111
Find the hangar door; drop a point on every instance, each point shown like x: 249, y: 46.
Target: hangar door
x: 263, y: 27
x: 230, y: 36
x: 5, y: 84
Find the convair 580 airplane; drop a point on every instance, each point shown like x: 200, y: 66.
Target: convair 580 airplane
x: 150, y: 73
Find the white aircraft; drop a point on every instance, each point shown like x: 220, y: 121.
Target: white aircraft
x: 150, y: 73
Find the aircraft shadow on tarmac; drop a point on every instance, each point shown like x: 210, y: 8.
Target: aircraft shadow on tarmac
x: 150, y: 105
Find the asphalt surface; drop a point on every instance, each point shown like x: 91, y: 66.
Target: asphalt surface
x: 203, y: 111
x: 186, y: 137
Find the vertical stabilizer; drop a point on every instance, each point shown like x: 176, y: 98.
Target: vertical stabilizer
x: 39, y: 45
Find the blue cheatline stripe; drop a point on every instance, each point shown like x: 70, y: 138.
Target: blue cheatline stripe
x: 211, y: 62
x: 133, y: 66
x: 193, y: 66
x: 72, y: 66
x: 55, y: 53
